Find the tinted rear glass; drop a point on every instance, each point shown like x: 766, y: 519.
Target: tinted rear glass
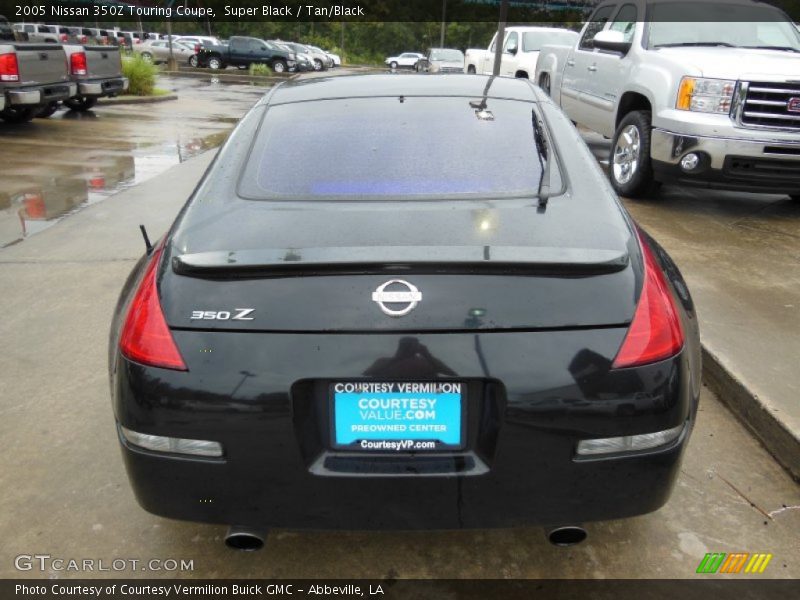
x: 385, y: 148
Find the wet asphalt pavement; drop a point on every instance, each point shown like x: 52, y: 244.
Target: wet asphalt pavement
x: 63, y: 487
x: 52, y: 167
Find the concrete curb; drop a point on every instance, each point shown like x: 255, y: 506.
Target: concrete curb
x: 136, y: 100
x: 781, y: 442
x: 206, y: 73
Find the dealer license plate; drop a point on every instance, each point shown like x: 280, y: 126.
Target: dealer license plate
x: 398, y: 416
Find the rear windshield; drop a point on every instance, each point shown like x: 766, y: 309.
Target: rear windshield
x: 394, y: 148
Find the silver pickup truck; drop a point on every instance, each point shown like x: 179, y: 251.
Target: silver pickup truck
x: 32, y: 76
x: 97, y: 71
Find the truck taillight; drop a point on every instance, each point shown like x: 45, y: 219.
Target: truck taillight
x: 9, y: 68
x: 77, y: 63
x: 655, y: 333
x: 64, y: 37
x: 84, y: 39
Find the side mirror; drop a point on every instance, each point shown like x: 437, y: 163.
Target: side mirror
x: 613, y: 41
x: 512, y: 50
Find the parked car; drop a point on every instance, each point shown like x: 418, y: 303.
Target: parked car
x: 406, y: 60
x: 441, y: 60
x: 305, y: 62
x: 244, y: 51
x: 97, y: 70
x: 337, y: 60
x: 319, y: 60
x: 326, y: 58
x: 31, y: 76
x: 693, y: 93
x: 157, y: 51
x: 37, y: 32
x: 200, y: 41
x: 528, y: 356
x: 521, y: 48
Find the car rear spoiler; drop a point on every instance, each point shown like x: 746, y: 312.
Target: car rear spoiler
x: 431, y: 259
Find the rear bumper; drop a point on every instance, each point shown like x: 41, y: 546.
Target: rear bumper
x: 33, y: 96
x: 765, y: 165
x: 523, y: 423
x: 103, y: 87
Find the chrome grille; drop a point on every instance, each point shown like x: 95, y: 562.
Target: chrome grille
x: 766, y: 104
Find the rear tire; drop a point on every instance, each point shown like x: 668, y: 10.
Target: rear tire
x: 147, y: 56
x: 279, y: 66
x: 14, y: 114
x: 393, y: 64
x: 630, y: 169
x: 317, y: 64
x: 215, y: 63
x: 80, y: 103
x: 48, y: 110
x: 193, y: 61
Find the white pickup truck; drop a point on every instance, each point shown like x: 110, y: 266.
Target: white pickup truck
x: 520, y: 51
x: 704, y: 93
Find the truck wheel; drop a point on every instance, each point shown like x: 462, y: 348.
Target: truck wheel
x: 214, y: 63
x: 544, y: 83
x: 80, y: 103
x: 631, y: 171
x: 471, y: 70
x: 193, y: 61
x: 15, y: 114
x: 48, y: 110
x: 279, y: 66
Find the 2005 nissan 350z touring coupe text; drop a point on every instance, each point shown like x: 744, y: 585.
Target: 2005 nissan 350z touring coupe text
x: 404, y: 303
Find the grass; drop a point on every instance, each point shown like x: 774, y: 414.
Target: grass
x: 259, y: 69
x: 141, y: 76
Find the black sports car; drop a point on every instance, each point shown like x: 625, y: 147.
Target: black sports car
x: 404, y: 302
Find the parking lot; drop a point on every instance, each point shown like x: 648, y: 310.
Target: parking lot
x: 74, y: 195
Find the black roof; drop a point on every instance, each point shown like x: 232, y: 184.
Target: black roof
x: 365, y: 86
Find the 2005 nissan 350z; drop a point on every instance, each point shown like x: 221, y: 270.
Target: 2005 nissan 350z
x: 404, y: 303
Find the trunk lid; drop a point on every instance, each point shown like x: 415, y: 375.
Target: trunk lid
x: 495, y: 265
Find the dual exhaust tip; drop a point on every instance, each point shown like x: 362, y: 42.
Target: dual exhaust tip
x: 249, y: 539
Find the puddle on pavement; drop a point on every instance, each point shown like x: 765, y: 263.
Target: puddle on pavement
x: 34, y: 196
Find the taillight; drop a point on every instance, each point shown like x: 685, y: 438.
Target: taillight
x: 145, y: 337
x: 64, y: 37
x: 77, y: 63
x: 9, y: 69
x: 196, y: 48
x: 655, y: 332
x: 84, y: 39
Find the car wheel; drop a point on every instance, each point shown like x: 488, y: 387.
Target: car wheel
x: 147, y: 56
x: 48, y: 110
x: 193, y: 61
x: 317, y: 64
x: 279, y: 66
x: 544, y: 83
x: 214, y: 63
x: 393, y: 64
x: 631, y: 170
x: 471, y: 70
x: 80, y: 103
x: 15, y: 114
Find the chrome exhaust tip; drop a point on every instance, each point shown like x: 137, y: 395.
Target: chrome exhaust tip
x: 569, y: 535
x: 243, y: 538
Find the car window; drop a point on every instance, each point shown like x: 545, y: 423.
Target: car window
x: 255, y: 45
x: 512, y: 42
x: 599, y: 19
x: 432, y: 154
x: 625, y: 22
